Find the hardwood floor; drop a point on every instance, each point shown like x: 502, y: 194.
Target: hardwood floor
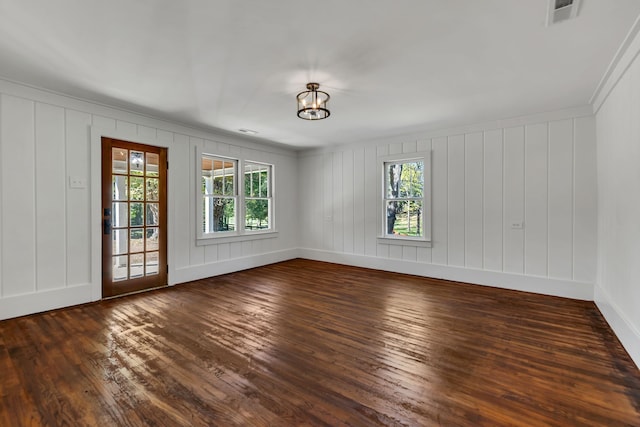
x: 309, y: 343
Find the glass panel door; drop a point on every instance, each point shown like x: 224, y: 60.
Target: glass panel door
x: 134, y: 217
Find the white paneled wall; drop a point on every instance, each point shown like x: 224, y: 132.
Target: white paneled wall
x: 456, y: 209
x: 50, y: 232
x: 493, y: 203
x: 50, y: 161
x: 18, y: 196
x: 538, y: 173
x: 513, y: 199
x: 617, y: 292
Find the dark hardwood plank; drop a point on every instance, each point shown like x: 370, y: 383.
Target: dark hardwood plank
x: 310, y: 343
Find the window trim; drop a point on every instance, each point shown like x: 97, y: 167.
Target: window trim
x: 426, y: 239
x: 240, y: 233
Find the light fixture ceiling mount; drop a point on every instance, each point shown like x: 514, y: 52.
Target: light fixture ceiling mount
x: 312, y: 103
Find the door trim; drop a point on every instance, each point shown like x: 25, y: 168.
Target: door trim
x: 96, y: 134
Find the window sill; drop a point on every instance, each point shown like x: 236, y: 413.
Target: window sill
x: 251, y: 235
x: 405, y: 242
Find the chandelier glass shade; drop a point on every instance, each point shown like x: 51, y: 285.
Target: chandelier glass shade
x: 312, y: 103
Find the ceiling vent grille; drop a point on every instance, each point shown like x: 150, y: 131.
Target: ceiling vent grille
x: 562, y: 10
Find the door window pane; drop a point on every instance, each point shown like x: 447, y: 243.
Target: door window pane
x: 152, y: 164
x: 136, y: 214
x: 119, y: 244
x: 119, y: 160
x: 152, y: 213
x: 153, y: 194
x: 136, y: 188
x: 120, y: 268
x: 137, y: 265
x: 119, y: 187
x: 137, y: 240
x: 152, y: 236
x: 120, y: 215
x: 152, y: 263
x: 136, y: 164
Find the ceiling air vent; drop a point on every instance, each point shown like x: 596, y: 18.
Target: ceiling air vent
x: 561, y: 10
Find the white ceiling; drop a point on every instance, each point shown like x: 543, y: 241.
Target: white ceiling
x: 391, y: 67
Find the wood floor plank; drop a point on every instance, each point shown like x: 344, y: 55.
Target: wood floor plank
x: 309, y: 343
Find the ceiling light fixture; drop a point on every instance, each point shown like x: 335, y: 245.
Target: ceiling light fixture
x: 312, y: 103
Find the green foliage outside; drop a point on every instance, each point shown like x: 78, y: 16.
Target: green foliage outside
x: 257, y: 214
x: 408, y: 220
x: 224, y: 214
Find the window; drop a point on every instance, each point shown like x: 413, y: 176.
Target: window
x: 233, y: 189
x: 219, y: 193
x: 257, y: 196
x: 406, y: 199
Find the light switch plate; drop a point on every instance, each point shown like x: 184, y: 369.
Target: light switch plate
x: 77, y: 182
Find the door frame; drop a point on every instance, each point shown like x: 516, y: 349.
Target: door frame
x: 96, y: 199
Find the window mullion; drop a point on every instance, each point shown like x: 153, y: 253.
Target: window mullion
x: 250, y: 180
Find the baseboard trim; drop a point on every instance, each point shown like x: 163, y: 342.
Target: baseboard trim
x: 188, y: 274
x: 539, y: 285
x: 37, y: 302
x: 628, y: 335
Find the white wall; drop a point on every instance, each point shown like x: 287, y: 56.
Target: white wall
x: 50, y: 233
x: 617, y: 292
x: 540, y: 170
